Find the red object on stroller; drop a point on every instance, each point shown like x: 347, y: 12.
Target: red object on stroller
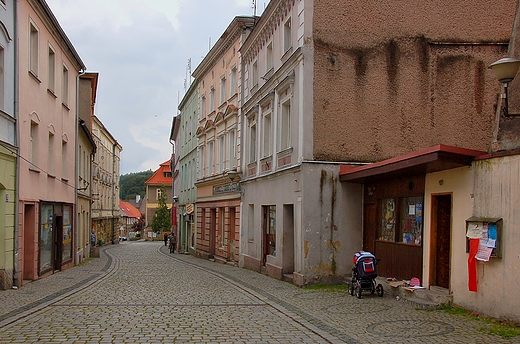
x: 364, y: 274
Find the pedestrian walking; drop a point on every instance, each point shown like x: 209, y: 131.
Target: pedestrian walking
x: 173, y: 242
x: 165, y: 239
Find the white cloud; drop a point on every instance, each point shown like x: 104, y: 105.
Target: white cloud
x: 140, y: 49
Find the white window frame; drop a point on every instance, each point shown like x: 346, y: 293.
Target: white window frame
x: 285, y: 124
x: 267, y: 134
x: 34, y: 47
x: 287, y: 35
x: 223, y: 90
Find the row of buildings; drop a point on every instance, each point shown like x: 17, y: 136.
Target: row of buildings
x: 322, y: 128
x: 59, y: 165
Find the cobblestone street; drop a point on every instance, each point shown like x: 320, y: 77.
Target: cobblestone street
x: 137, y: 292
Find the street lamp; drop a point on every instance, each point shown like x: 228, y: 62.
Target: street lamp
x: 505, y: 71
x: 232, y: 174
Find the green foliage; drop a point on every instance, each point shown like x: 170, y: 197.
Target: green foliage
x: 162, y: 221
x: 328, y: 287
x: 132, y: 184
x: 491, y: 326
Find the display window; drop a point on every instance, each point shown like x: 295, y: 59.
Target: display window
x: 401, y: 220
x: 46, y: 231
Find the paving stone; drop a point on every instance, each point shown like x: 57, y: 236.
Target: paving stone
x: 137, y: 292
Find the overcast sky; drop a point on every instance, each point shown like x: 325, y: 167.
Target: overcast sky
x: 141, y: 49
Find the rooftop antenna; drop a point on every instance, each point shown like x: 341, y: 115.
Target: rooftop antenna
x: 253, y: 3
x: 189, y: 72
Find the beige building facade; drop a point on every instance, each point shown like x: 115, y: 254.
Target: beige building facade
x: 8, y: 147
x: 106, y: 169
x: 219, y: 77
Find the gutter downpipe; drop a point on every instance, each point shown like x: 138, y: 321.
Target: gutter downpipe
x: 16, y: 266
x: 76, y: 172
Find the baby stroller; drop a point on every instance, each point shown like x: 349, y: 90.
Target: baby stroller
x: 364, y: 275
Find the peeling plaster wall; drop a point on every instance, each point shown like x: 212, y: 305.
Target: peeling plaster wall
x: 409, y: 80
x: 331, y: 223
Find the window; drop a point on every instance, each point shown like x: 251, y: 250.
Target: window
x: 233, y: 82
x: 269, y: 57
x: 212, y: 100
x: 64, y: 161
x: 251, y: 223
x: 269, y: 225
x: 221, y: 153
x: 401, y: 220
x: 52, y: 70
x: 34, y: 145
x: 50, y: 163
x: 287, y: 43
x: 223, y: 90
x: 158, y: 194
x: 203, y: 107
x: 267, y: 135
x: 252, y: 147
x: 65, y: 85
x: 232, y: 149
x: 201, y: 162
x: 33, y: 49
x: 254, y: 80
x: 211, y: 153
x: 222, y: 225
x: 285, y: 126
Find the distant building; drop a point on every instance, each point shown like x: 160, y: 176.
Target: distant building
x: 130, y: 215
x: 105, y: 185
x: 161, y: 177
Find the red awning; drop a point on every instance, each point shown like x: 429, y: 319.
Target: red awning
x: 433, y: 159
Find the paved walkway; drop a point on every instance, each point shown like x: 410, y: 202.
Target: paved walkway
x: 137, y: 292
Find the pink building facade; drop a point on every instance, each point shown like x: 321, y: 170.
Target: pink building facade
x: 48, y: 77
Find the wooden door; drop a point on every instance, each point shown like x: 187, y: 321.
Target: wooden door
x: 441, y: 241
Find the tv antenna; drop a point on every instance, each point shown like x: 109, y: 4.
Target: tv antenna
x: 253, y: 6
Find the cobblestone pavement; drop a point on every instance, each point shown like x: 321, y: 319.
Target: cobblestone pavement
x: 137, y: 292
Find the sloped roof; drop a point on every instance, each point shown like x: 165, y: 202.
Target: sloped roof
x: 158, y: 177
x: 129, y: 210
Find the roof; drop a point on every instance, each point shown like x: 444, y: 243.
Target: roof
x: 129, y: 210
x: 158, y: 177
x: 428, y: 160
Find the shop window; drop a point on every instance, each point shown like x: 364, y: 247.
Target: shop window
x: 401, y: 220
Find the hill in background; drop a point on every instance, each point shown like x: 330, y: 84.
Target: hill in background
x: 132, y: 184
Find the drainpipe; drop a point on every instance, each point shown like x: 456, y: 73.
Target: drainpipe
x: 16, y: 267
x: 76, y: 172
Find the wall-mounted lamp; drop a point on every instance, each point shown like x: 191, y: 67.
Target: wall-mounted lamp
x: 232, y: 174
x: 175, y: 199
x: 505, y: 71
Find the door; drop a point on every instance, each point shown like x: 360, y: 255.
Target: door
x: 58, y: 242
x: 441, y: 241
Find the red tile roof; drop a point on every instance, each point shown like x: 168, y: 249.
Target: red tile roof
x: 158, y: 177
x: 129, y: 209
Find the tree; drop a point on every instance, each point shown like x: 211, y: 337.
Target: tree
x: 162, y: 220
x: 132, y: 184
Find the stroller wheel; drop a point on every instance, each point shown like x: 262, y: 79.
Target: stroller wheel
x: 358, y: 292
x: 351, y: 288
x: 380, y: 290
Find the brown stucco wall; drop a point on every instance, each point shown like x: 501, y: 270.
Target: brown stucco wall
x: 394, y: 77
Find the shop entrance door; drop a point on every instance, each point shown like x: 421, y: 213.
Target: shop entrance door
x: 441, y: 241
x: 58, y: 242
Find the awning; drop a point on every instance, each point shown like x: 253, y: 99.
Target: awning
x: 433, y: 159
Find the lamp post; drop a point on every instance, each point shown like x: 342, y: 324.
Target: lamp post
x: 505, y: 71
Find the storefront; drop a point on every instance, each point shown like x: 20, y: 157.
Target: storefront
x: 394, y: 212
x: 55, y: 237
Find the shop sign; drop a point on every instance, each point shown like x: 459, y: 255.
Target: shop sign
x: 226, y: 188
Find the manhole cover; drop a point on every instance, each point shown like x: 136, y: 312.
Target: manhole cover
x: 410, y: 328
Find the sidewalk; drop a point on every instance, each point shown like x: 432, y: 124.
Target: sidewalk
x: 16, y: 303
